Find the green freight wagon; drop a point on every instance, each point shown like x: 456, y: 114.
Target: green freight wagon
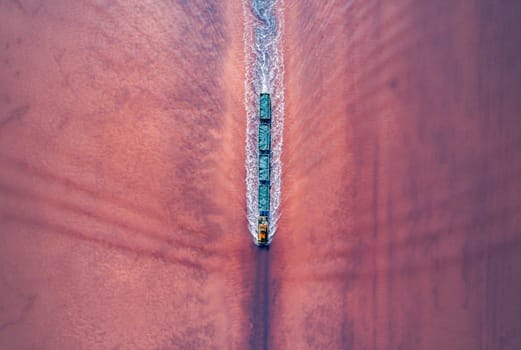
x: 264, y: 169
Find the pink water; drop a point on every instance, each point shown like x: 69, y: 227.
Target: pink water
x: 123, y: 220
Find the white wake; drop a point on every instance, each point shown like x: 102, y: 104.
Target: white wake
x: 264, y: 59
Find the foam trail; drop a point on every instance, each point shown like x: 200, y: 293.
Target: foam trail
x: 263, y: 52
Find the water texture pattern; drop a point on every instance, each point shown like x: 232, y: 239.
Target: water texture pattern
x: 263, y: 52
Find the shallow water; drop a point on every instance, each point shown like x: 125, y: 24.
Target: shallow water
x: 400, y: 218
x: 123, y: 219
x: 121, y: 222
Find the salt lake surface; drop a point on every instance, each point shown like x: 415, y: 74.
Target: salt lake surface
x: 123, y: 212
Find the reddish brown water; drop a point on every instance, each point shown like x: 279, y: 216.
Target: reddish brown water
x: 122, y: 210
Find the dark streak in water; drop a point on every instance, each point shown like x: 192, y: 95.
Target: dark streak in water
x: 100, y: 217
x: 261, y: 299
x: 80, y: 235
x: 15, y: 115
x: 20, y: 318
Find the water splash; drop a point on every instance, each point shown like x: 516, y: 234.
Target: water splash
x: 263, y: 52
